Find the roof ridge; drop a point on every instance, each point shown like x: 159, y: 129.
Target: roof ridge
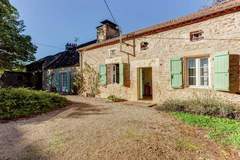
x: 231, y: 4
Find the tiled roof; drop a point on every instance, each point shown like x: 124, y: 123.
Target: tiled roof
x: 202, y: 15
x: 60, y: 60
x: 66, y: 59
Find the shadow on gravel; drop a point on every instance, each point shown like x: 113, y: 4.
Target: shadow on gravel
x: 83, y: 109
x: 11, y: 139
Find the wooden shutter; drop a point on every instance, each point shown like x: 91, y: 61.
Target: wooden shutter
x: 221, y: 71
x: 176, y: 72
x: 103, y: 74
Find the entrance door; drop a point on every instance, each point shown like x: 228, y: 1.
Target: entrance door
x: 145, y: 83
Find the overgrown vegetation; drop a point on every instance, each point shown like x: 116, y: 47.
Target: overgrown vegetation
x: 79, y: 83
x: 17, y: 103
x: 205, y: 105
x: 222, y: 130
x: 86, y: 81
x: 114, y: 98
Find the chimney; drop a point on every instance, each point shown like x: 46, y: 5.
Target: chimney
x: 70, y: 46
x: 107, y: 30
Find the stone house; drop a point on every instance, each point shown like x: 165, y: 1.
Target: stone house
x: 55, y: 72
x: 194, y: 54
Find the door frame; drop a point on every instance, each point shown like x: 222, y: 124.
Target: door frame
x: 140, y: 86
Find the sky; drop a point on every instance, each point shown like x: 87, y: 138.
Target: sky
x: 53, y: 23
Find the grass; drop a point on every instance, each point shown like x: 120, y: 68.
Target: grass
x: 222, y: 130
x: 185, y: 144
x: 22, y: 102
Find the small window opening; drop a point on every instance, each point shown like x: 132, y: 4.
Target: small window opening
x: 196, y: 36
x: 144, y: 45
x: 112, y: 53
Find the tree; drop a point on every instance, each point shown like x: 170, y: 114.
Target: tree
x: 15, y: 47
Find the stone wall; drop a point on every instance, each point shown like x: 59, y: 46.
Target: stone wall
x: 47, y: 74
x: 220, y: 34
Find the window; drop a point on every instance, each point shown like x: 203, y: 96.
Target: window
x: 198, y: 72
x: 64, y: 80
x: 115, y: 73
x: 112, y: 52
x: 196, y: 36
x: 144, y: 46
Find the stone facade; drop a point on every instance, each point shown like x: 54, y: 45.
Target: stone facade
x: 220, y: 34
x: 48, y: 77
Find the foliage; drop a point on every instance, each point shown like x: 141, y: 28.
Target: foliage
x: 79, y: 83
x: 211, y: 106
x: 91, y: 80
x: 86, y: 81
x: 15, y: 47
x: 20, y: 102
x: 114, y: 98
x: 222, y: 130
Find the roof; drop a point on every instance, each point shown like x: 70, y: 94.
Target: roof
x: 38, y: 65
x: 224, y: 8
x: 87, y: 44
x: 66, y: 59
x: 109, y: 22
x: 60, y: 60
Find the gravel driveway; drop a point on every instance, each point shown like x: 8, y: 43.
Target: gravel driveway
x: 92, y: 129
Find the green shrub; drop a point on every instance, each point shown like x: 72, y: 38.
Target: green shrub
x: 203, y: 106
x: 114, y: 98
x: 20, y: 102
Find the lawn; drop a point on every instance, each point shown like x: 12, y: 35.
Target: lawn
x: 222, y: 130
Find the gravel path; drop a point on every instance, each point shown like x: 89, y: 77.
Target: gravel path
x: 92, y: 129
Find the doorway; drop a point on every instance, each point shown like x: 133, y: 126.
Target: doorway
x: 145, y: 83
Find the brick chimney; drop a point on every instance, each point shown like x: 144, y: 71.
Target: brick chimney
x: 70, y: 46
x: 107, y: 30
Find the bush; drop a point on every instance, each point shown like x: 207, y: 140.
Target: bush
x: 203, y: 106
x: 114, y: 98
x: 20, y: 102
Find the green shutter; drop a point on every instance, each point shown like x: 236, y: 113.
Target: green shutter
x: 176, y: 73
x: 221, y: 71
x: 103, y: 74
x: 68, y: 89
x: 121, y: 74
x: 58, y: 81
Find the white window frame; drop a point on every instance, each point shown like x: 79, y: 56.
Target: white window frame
x: 114, y: 75
x: 198, y: 78
x: 110, y: 52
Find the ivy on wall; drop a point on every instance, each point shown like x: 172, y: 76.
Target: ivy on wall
x: 86, y: 81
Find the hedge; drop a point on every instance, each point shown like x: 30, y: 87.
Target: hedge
x: 22, y: 102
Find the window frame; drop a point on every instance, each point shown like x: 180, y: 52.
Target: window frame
x: 64, y: 80
x: 198, y: 72
x: 195, y: 39
x: 115, y: 74
x: 109, y: 52
x: 144, y: 45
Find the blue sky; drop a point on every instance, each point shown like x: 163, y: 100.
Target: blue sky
x: 53, y: 23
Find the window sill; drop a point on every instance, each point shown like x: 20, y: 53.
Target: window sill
x: 200, y: 87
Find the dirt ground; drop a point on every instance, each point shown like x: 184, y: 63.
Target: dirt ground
x: 93, y: 129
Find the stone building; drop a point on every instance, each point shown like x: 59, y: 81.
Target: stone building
x: 55, y: 72
x: 194, y: 54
